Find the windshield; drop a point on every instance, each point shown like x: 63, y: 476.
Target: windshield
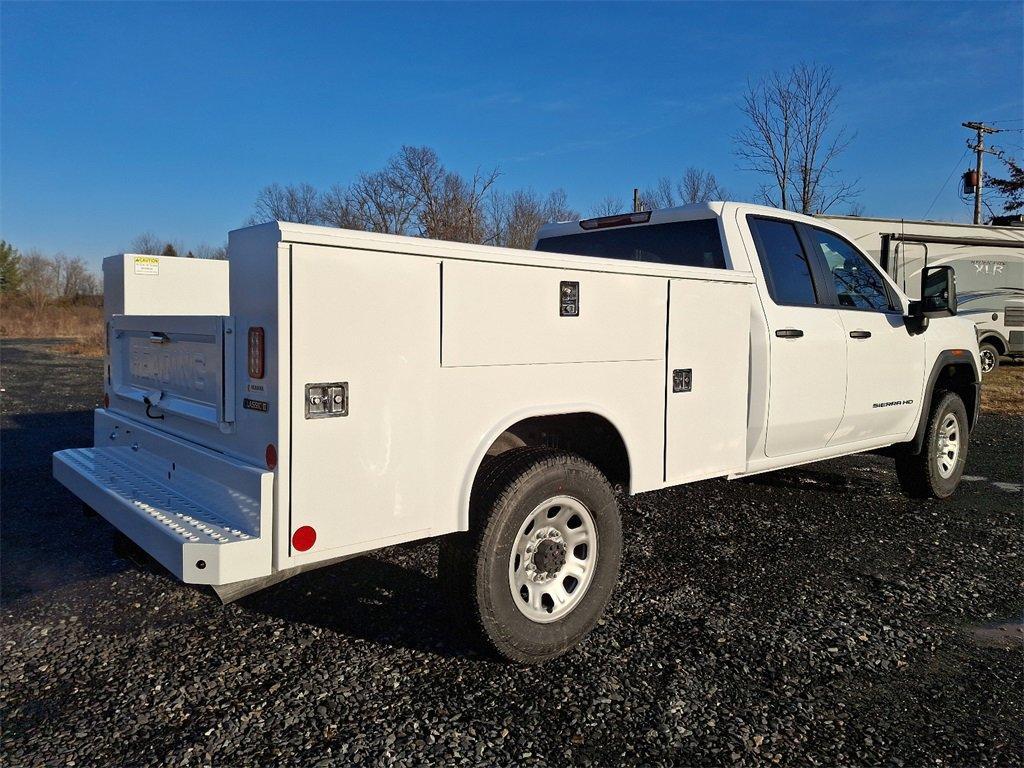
x: 694, y: 243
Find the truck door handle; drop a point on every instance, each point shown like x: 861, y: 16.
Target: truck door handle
x: 860, y: 334
x: 789, y: 333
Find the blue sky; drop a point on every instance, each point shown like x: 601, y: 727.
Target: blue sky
x: 124, y: 118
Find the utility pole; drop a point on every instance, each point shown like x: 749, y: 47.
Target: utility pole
x: 979, y: 149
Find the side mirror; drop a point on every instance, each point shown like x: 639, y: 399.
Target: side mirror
x: 938, y: 291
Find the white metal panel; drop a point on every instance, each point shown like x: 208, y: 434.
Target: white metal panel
x: 807, y: 387
x: 136, y: 284
x: 370, y: 320
x: 502, y: 314
x: 885, y: 377
x: 709, y: 332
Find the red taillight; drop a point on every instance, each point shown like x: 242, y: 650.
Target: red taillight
x: 106, y: 400
x: 303, y: 538
x: 256, y: 353
x: 271, y: 456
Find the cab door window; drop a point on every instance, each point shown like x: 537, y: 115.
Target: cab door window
x: 858, y: 284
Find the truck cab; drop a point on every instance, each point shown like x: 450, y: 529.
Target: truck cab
x: 838, y: 361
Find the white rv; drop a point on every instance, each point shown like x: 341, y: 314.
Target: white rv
x: 345, y: 391
x: 989, y: 266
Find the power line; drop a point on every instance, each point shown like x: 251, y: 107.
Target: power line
x: 943, y: 187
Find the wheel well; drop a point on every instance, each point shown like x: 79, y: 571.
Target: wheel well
x: 995, y: 341
x: 959, y: 379
x: 586, y: 434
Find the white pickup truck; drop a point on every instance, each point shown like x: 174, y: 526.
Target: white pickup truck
x: 332, y: 392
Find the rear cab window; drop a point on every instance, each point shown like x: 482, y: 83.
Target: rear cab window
x: 787, y: 268
x: 694, y: 243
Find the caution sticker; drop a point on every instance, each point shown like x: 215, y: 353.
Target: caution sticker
x: 147, y: 265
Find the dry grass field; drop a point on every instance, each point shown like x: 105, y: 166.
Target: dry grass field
x: 1003, y: 391
x: 80, y: 323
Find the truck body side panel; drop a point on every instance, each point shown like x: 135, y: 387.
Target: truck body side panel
x: 440, y: 355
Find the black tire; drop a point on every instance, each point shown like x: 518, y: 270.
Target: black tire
x: 989, y: 358
x: 919, y: 475
x: 475, y: 566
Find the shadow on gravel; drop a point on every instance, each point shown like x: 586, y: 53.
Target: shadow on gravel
x: 47, y: 541
x: 371, y: 599
x: 804, y: 478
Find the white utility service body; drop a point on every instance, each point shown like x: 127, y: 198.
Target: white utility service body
x: 384, y: 369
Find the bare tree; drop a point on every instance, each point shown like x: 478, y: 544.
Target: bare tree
x: 696, y: 185
x: 699, y: 186
x: 39, y: 279
x: 447, y: 206
x: 557, y: 208
x: 658, y: 196
x: 298, y: 203
x: 72, y: 278
x: 207, y: 251
x: 526, y: 212
x: 339, y: 209
x: 515, y: 217
x: 147, y: 243
x: 792, y: 138
x: 607, y: 206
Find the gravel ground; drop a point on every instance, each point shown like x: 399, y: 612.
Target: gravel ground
x: 809, y: 617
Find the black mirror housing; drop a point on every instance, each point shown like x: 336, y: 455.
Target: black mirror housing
x: 938, y: 292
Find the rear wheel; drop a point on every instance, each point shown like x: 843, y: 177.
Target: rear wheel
x: 935, y: 472
x: 541, y: 559
x: 989, y: 357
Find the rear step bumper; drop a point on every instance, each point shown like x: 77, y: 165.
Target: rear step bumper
x: 204, y: 516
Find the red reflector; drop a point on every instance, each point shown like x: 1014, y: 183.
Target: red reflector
x: 304, y: 538
x: 106, y: 400
x: 271, y: 456
x: 256, y: 353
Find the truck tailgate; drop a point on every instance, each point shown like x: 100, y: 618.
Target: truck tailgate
x: 178, y: 366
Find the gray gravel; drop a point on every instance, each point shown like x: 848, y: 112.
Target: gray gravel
x: 810, y: 617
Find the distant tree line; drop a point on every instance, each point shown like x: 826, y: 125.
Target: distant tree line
x: 42, y: 279
x: 149, y: 244
x: 416, y: 194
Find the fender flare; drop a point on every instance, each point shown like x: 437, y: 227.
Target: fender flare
x: 985, y: 335
x: 466, y: 489
x: 957, y: 357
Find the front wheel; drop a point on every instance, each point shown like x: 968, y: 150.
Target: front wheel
x: 541, y: 559
x: 935, y: 472
x: 989, y: 358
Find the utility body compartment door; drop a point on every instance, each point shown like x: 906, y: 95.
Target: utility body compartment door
x: 706, y: 379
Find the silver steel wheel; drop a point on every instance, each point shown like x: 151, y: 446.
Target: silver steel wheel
x: 553, y: 559
x: 988, y: 359
x: 949, y: 446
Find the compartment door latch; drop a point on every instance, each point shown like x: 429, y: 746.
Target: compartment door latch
x: 324, y: 400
